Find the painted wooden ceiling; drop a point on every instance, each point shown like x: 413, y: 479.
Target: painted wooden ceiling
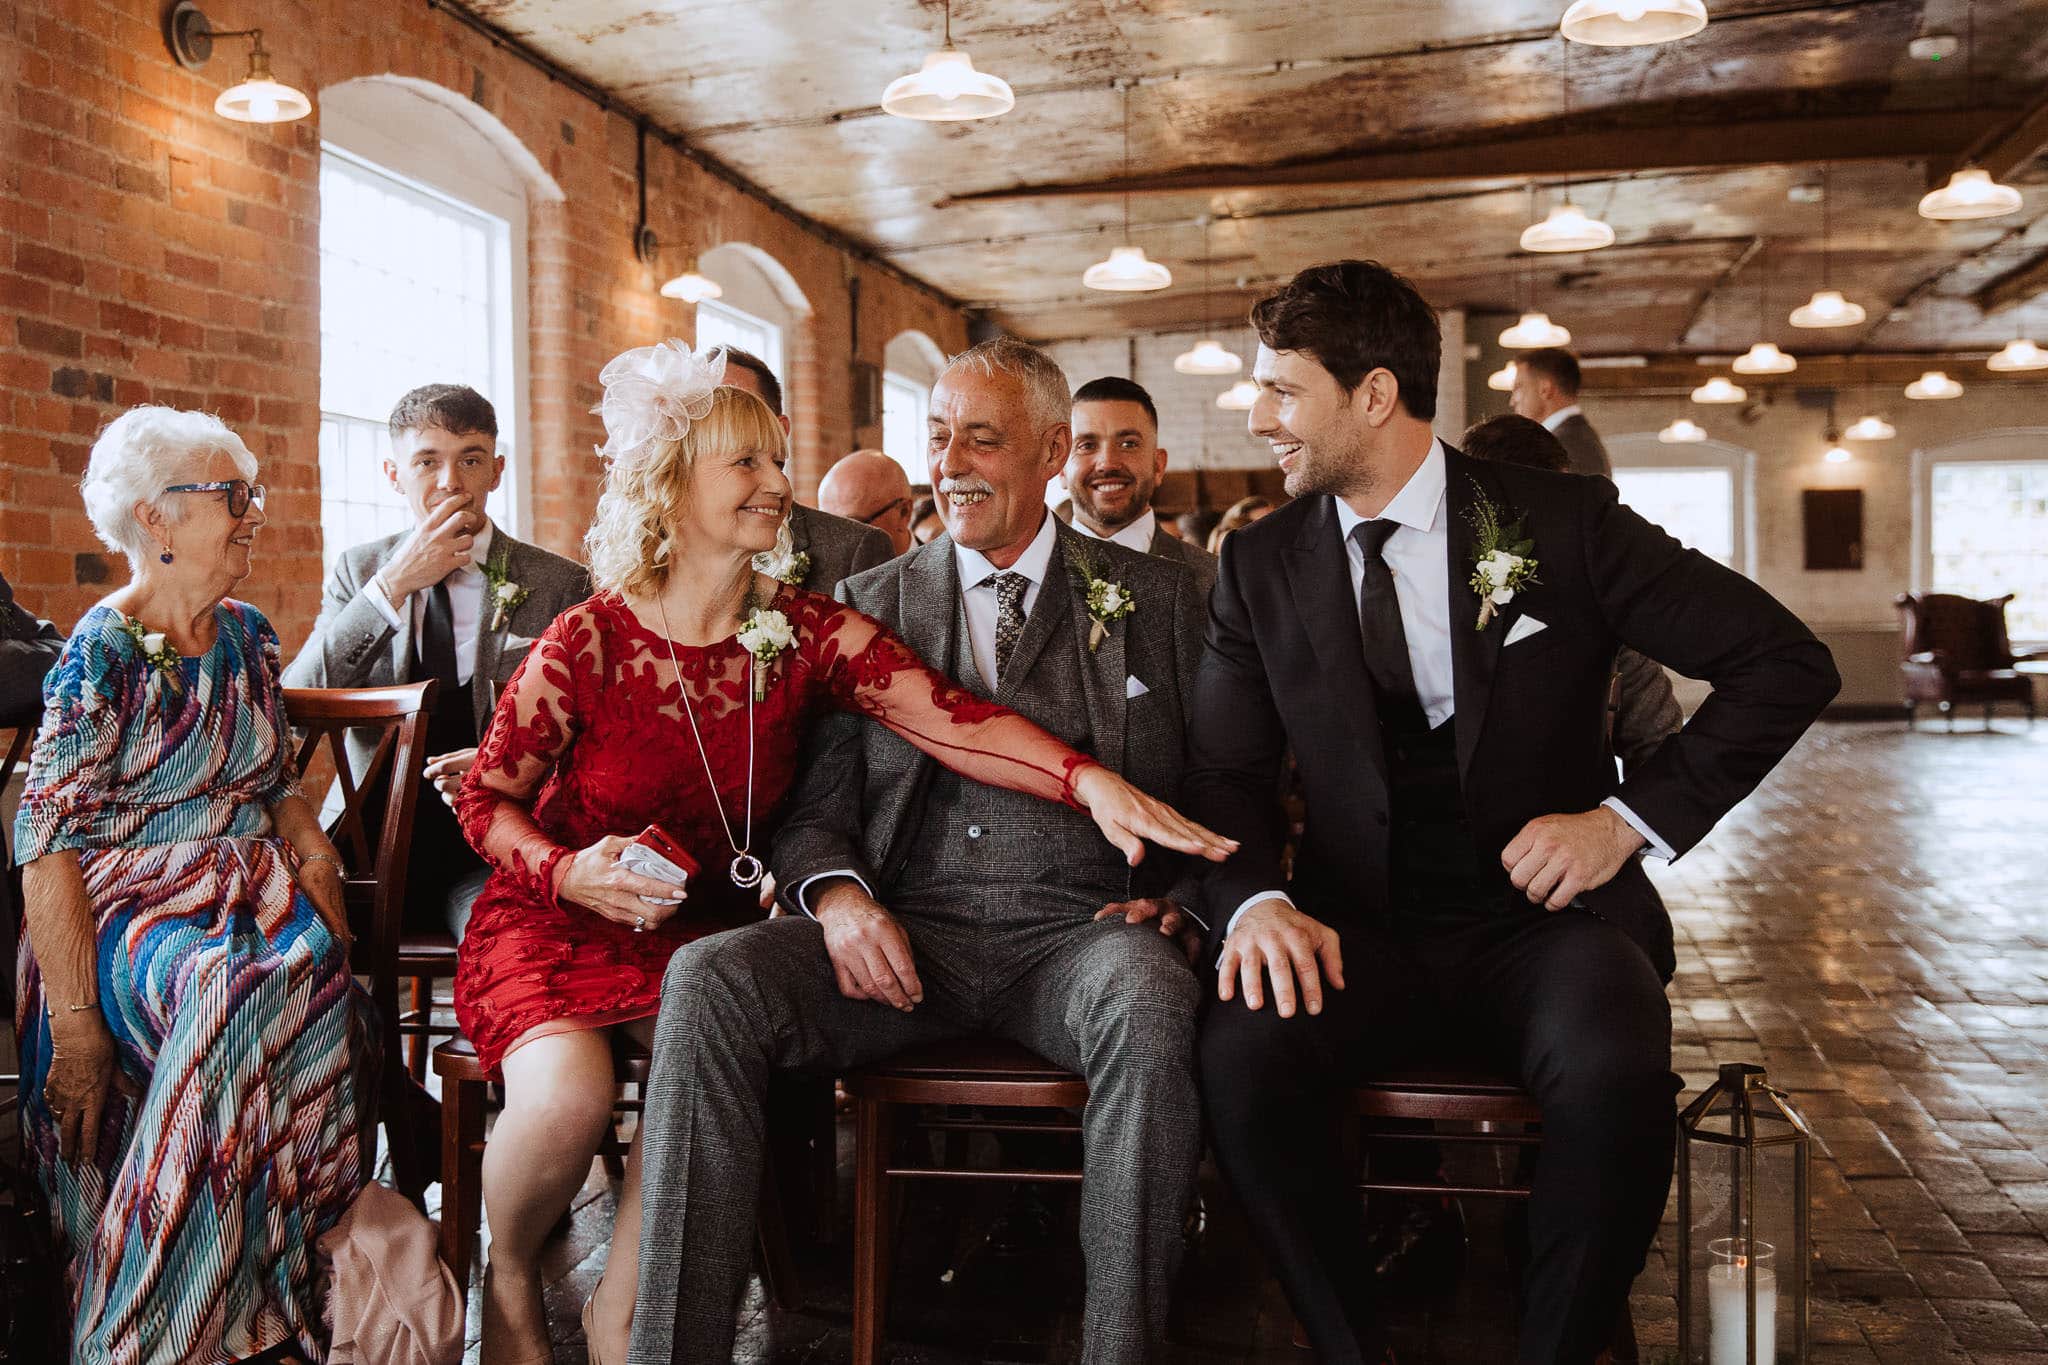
x: 1424, y: 134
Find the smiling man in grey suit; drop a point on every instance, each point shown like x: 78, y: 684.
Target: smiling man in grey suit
x: 1114, y: 468
x: 943, y: 907
x: 455, y: 599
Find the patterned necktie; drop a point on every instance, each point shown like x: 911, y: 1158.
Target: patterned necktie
x: 1009, y: 618
x: 1379, y: 624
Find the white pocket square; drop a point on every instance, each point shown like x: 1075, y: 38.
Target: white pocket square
x: 1133, y: 689
x: 1522, y: 629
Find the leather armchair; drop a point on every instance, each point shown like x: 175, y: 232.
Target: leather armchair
x: 1957, y: 652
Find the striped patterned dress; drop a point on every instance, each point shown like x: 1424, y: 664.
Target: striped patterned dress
x: 190, y: 1240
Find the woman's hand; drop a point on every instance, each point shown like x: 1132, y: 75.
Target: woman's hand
x: 84, y: 1072
x: 1128, y: 817
x: 320, y: 879
x: 594, y: 880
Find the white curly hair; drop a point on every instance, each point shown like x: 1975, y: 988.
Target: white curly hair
x: 143, y: 451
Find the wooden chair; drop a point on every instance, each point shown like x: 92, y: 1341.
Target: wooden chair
x: 1450, y: 1094
x: 375, y: 890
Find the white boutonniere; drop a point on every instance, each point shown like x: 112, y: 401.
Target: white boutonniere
x: 791, y: 568
x: 156, y: 649
x: 505, y: 595
x: 1501, y: 564
x: 1107, y: 602
x: 765, y: 635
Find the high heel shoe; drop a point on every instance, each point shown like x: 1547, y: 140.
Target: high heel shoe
x: 496, y: 1330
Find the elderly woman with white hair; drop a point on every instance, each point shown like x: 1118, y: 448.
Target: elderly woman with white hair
x: 193, y: 1053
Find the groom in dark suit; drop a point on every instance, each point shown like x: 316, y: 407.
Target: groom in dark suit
x: 1468, y: 875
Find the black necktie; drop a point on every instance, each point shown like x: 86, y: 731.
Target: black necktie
x: 1379, y: 627
x: 437, y: 638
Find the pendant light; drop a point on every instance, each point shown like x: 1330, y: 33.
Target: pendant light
x: 1827, y: 307
x: 947, y: 89
x: 1126, y: 271
x: 1503, y: 379
x: 1239, y: 397
x: 1970, y: 192
x: 692, y: 286
x: 1720, y: 389
x: 258, y: 97
x: 1207, y: 356
x: 2020, y: 354
x: 1934, y: 385
x: 1837, y: 453
x: 1567, y: 228
x: 1535, y: 329
x: 1682, y: 431
x: 1764, y: 357
x: 1632, y: 23
x: 1870, y: 427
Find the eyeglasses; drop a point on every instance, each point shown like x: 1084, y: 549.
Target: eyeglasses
x: 240, y: 492
x: 886, y: 509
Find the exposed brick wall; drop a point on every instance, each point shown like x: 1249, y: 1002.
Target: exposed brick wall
x: 151, y: 251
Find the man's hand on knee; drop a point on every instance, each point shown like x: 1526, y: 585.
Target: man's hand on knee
x: 1171, y: 919
x: 870, y: 953
x: 1273, y: 939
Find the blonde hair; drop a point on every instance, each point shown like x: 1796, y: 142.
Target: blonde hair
x: 628, y: 540
x: 1242, y: 513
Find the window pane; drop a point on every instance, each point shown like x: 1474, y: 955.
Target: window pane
x: 1989, y: 537
x: 720, y: 325
x: 904, y: 405
x: 1695, y: 505
x: 413, y: 288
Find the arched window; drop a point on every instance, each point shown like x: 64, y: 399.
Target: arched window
x: 910, y: 366
x: 422, y: 281
x: 1981, y: 520
x: 756, y: 312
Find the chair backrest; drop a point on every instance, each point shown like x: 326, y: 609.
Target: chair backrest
x: 23, y: 730
x: 375, y: 886
x: 1966, y: 632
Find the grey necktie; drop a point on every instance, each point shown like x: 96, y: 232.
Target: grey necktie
x: 1009, y: 617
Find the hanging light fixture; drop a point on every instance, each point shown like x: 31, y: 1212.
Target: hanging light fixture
x: 1934, y: 385
x: 692, y: 286
x: 1502, y: 379
x: 1126, y: 271
x: 1207, y: 356
x: 1870, y: 427
x: 1720, y: 389
x: 1827, y: 307
x: 1239, y: 397
x: 1533, y: 330
x: 1764, y: 357
x: 1567, y: 228
x: 2019, y: 354
x: 1682, y: 431
x: 259, y: 97
x: 1970, y: 192
x: 1837, y: 453
x: 947, y: 89
x: 1632, y: 23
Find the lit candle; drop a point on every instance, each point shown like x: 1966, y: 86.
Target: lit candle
x: 1728, y: 1307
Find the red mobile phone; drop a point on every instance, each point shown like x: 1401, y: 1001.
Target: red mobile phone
x: 662, y: 842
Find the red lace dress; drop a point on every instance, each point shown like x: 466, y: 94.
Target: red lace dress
x: 589, y: 740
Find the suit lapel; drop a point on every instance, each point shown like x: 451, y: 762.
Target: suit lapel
x: 1474, y: 653
x: 1319, y: 575
x: 1038, y: 626
x: 1103, y: 669
x: 490, y: 643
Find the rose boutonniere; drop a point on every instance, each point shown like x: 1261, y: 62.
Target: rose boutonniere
x: 765, y: 635
x: 1107, y: 602
x: 506, y: 596
x: 791, y: 568
x: 1501, y: 563
x: 156, y: 650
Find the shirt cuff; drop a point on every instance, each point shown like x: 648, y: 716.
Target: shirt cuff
x: 802, y: 894
x: 1249, y: 902
x: 1655, y: 847
x: 374, y: 590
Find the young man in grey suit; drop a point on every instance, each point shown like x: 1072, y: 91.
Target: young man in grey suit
x: 936, y: 907
x: 1547, y: 390
x: 455, y: 599
x: 835, y: 549
x: 1114, y: 468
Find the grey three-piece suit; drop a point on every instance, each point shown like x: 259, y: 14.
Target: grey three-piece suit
x: 997, y: 892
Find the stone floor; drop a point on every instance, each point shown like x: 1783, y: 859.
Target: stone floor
x: 1870, y: 927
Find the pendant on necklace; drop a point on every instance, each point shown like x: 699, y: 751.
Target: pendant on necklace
x: 747, y: 870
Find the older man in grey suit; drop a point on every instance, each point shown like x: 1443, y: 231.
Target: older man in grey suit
x: 1114, y: 468
x: 1002, y: 913
x: 828, y: 549
x: 455, y: 599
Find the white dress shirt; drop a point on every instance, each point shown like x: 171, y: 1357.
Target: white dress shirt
x: 1137, y: 536
x: 465, y: 601
x: 1418, y: 557
x: 1560, y: 417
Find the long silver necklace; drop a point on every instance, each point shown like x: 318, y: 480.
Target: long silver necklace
x: 746, y: 868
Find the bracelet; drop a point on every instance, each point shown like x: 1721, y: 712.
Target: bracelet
x: 80, y: 1009
x: 325, y: 858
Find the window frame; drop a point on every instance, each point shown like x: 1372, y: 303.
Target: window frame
x: 916, y: 466
x: 1642, y: 450
x: 2004, y: 445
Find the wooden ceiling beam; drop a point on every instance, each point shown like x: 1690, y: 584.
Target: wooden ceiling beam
x: 1998, y: 152
x: 1882, y: 369
x: 1888, y: 136
x: 2015, y: 286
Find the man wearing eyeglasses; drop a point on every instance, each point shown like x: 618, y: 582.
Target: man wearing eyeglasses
x: 872, y: 489
x: 455, y: 599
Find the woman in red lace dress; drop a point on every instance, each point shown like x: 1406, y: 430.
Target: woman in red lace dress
x: 594, y: 740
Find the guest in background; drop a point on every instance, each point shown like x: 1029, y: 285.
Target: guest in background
x: 1113, y: 469
x: 926, y: 525
x: 1642, y: 711
x: 455, y: 599
x: 872, y: 489
x: 1195, y: 526
x: 28, y: 647
x: 823, y: 549
x: 1238, y: 515
x: 1547, y: 390
x: 194, y: 1053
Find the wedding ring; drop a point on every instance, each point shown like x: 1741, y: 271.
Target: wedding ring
x: 639, y: 924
